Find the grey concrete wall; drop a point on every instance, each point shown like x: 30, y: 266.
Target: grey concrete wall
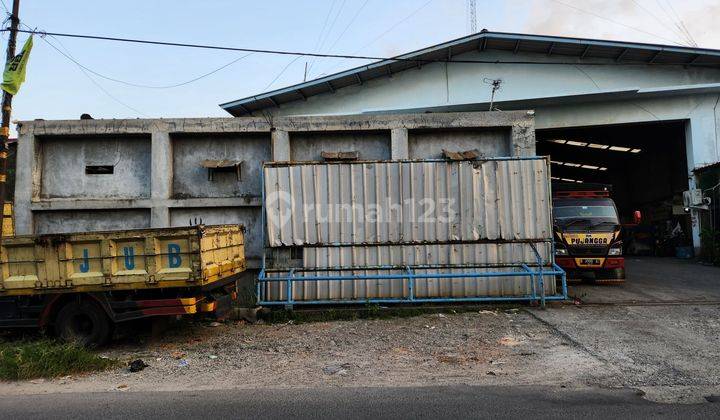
x: 159, y: 181
x: 429, y: 144
x: 371, y: 145
x: 64, y: 160
x: 246, y: 216
x: 190, y: 178
x: 80, y: 220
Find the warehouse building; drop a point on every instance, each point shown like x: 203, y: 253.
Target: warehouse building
x: 641, y: 117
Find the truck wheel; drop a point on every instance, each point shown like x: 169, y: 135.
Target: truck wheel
x: 83, y: 323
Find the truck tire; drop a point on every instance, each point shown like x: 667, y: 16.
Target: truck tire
x: 84, y: 323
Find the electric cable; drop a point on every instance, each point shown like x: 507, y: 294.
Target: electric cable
x: 615, y: 22
x: 282, y: 72
x: 659, y: 20
x: 681, y: 24
x: 98, y: 85
x: 322, y: 31
x: 395, y: 25
x: 357, y: 13
x: 347, y: 56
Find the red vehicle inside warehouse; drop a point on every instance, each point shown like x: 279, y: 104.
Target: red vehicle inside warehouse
x: 587, y: 230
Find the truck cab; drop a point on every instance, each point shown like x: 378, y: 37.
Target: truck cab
x: 588, y: 243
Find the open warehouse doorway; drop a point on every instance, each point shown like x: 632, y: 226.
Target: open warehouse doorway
x: 646, y: 165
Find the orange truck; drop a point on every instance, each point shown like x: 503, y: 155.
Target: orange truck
x: 82, y: 284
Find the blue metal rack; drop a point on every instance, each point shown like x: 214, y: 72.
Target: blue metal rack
x: 536, y: 273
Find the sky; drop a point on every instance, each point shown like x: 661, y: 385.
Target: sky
x: 56, y: 88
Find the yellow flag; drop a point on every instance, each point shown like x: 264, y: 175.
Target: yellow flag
x: 14, y: 74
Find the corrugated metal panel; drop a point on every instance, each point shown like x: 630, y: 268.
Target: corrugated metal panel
x: 443, y: 258
x: 407, y: 202
x: 489, y: 254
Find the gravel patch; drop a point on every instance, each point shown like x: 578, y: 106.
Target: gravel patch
x: 484, y: 347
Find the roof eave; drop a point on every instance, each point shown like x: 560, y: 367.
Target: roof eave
x: 238, y: 107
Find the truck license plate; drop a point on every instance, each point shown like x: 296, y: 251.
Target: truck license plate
x: 590, y: 262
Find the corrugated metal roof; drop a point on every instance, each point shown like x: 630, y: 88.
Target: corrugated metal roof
x: 622, y: 52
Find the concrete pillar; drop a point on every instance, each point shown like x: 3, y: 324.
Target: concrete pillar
x: 159, y: 216
x: 27, y: 175
x: 399, y: 148
x: 160, y: 178
x: 694, y: 132
x: 280, y: 145
x: 522, y: 141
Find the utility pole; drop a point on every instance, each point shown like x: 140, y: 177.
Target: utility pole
x: 6, y: 112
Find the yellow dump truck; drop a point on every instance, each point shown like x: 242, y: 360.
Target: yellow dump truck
x: 82, y: 284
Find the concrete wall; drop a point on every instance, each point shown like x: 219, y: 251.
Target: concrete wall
x: 159, y: 181
x: 64, y: 160
x: 78, y: 220
x: 369, y: 145
x: 430, y: 144
x: 190, y: 178
x: 246, y: 216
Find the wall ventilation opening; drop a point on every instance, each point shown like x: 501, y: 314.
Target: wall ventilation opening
x: 223, y: 166
x: 99, y: 169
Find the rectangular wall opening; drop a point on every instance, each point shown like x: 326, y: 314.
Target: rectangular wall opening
x: 99, y: 169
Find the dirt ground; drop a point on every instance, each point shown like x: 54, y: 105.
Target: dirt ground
x: 486, y: 347
x: 666, y: 350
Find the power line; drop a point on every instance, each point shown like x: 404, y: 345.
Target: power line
x: 672, y: 20
x: 395, y: 25
x: 282, y: 72
x: 658, y: 20
x: 346, y: 56
x: 187, y: 82
x: 322, y: 31
x: 682, y: 24
x: 327, y: 34
x: 332, y: 25
x: 357, y: 13
x: 98, y: 85
x: 112, y: 79
x: 615, y: 21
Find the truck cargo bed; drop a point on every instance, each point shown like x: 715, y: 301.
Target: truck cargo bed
x: 195, y: 256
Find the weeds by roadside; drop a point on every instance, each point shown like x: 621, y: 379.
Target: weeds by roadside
x: 47, y: 359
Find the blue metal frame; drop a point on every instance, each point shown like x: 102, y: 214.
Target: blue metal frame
x: 537, y: 271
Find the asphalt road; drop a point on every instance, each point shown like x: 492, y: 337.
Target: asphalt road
x: 349, y: 403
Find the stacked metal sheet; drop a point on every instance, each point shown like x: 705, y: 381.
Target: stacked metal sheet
x: 370, y: 219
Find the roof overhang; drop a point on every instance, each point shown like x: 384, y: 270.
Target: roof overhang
x: 574, y: 49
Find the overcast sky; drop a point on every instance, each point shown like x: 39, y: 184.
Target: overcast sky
x: 57, y: 89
